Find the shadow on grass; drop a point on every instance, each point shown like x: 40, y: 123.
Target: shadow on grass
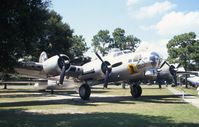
x: 20, y: 94
x: 45, y: 102
x: 18, y: 91
x: 72, y: 100
x: 23, y: 95
x: 167, y: 99
x: 20, y: 118
x: 40, y: 93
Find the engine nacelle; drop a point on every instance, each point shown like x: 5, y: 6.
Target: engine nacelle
x: 53, y: 65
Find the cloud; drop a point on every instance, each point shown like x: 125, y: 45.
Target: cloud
x: 178, y: 22
x: 175, y: 23
x: 131, y: 2
x: 147, y: 28
x: 154, y: 9
x: 157, y: 46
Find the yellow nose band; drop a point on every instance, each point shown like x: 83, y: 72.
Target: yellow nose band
x: 132, y: 68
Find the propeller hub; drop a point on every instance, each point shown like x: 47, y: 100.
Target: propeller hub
x: 172, y: 70
x: 106, y: 66
x: 63, y: 61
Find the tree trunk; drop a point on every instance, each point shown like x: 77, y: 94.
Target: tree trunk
x: 186, y: 70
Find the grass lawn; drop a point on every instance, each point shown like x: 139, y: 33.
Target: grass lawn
x: 189, y: 90
x: 156, y: 107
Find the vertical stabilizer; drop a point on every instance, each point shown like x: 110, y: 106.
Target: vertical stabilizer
x: 43, y: 57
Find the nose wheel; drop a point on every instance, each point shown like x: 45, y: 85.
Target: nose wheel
x: 84, y: 91
x: 136, y: 91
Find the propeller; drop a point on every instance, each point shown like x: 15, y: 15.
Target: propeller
x: 64, y: 64
x: 172, y: 70
x: 107, y: 68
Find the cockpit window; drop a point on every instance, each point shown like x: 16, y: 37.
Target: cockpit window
x: 130, y: 61
x: 117, y: 54
x: 127, y: 51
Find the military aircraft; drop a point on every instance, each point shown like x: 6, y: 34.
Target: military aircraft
x: 193, y: 80
x: 119, y: 66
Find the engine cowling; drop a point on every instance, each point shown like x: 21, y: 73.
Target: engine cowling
x: 53, y: 65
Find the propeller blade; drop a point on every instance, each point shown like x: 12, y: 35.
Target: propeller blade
x: 167, y: 63
x: 64, y: 64
x: 175, y: 79
x: 162, y: 64
x: 106, y: 78
x: 178, y: 65
x: 117, y: 64
x: 99, y: 56
x: 62, y: 75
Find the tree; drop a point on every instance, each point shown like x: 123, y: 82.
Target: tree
x: 100, y: 40
x: 119, y: 39
x: 78, y: 46
x: 103, y: 42
x: 123, y: 42
x: 183, y: 48
x: 58, y: 36
x: 27, y: 28
x: 21, y: 25
x: 132, y: 42
x: 194, y: 51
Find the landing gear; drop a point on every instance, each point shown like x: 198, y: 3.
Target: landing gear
x: 52, y: 91
x: 136, y: 91
x: 5, y: 86
x: 84, y: 91
x: 123, y: 85
x: 160, y: 86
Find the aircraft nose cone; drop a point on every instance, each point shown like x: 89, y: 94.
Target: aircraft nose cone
x: 154, y: 58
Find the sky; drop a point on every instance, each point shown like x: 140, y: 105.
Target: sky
x: 155, y: 22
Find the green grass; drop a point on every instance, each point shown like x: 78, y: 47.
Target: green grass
x: 156, y: 107
x: 189, y: 90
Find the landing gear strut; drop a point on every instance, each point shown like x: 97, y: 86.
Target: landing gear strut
x: 5, y: 86
x: 136, y: 90
x: 84, y: 91
x: 52, y: 91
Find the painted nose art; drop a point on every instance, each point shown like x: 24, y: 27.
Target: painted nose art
x: 132, y: 68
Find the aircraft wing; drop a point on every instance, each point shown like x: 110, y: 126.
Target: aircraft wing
x: 53, y: 68
x: 30, y: 69
x: 187, y: 72
x: 38, y: 70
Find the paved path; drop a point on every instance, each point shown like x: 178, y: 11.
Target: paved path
x: 187, y: 97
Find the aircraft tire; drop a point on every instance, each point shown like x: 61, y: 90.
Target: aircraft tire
x: 136, y: 91
x: 84, y: 91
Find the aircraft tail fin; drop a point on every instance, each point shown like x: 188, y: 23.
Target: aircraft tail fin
x: 43, y: 57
